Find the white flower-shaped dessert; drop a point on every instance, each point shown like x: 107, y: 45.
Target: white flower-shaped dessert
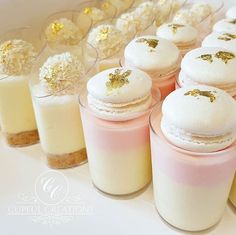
x: 16, y: 57
x: 95, y: 14
x: 201, y: 9
x: 61, y: 71
x: 63, y: 31
x: 107, y: 39
x: 186, y: 17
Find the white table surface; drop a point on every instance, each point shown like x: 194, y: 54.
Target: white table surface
x: 21, y: 167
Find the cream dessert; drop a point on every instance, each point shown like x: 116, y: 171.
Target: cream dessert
x: 201, y: 9
x: 115, y: 120
x: 223, y: 40
x: 186, y: 17
x: 213, y: 66
x: 191, y: 188
x: 17, y: 119
x: 225, y: 26
x: 231, y: 13
x: 185, y: 37
x: 95, y: 14
x: 108, y: 41
x: 55, y: 97
x: 156, y: 56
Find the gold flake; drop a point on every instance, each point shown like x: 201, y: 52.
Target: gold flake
x: 5, y: 47
x: 103, y: 34
x: 105, y: 5
x: 206, y: 57
x: 227, y: 37
x: 88, y: 10
x: 225, y: 56
x: 197, y: 92
x: 232, y: 21
x: 153, y: 43
x: 56, y: 27
x: 175, y: 27
x: 118, y: 79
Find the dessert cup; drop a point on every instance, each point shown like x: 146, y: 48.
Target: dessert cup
x: 190, y: 188
x: 17, y: 118
x: 118, y: 151
x: 58, y: 114
x: 121, y: 5
x: 105, y: 9
x: 81, y: 22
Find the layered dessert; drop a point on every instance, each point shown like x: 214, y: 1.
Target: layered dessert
x: 108, y: 41
x: 213, y: 66
x: 17, y: 119
x: 115, y: 119
x: 55, y: 99
x: 156, y: 56
x: 185, y: 37
x: 192, y: 156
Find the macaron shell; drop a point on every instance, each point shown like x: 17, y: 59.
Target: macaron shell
x: 231, y: 13
x: 215, y: 39
x: 202, y: 71
x: 141, y: 56
x: 138, y: 86
x: 224, y: 26
x: 182, y: 35
x: 197, y: 114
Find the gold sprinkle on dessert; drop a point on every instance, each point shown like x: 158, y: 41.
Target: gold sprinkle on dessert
x: 105, y: 5
x: 206, y: 57
x: 175, y: 27
x: 118, y: 79
x: 88, y: 10
x: 232, y: 21
x: 5, y: 47
x: 56, y: 27
x: 103, y: 34
x: 225, y: 56
x: 197, y: 92
x: 153, y: 43
x: 227, y: 37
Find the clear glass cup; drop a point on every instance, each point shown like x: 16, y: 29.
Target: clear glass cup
x: 17, y: 118
x: 107, y: 8
x: 163, y: 82
x: 82, y: 21
x: 118, y: 151
x: 58, y: 113
x: 113, y: 59
x: 190, y: 189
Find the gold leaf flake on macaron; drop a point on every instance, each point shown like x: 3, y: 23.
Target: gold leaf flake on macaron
x: 175, y: 27
x: 227, y: 37
x: 153, y: 43
x: 206, y: 57
x: 118, y: 79
x: 57, y: 27
x: 197, y: 92
x: 225, y: 56
x: 87, y: 10
x: 232, y: 21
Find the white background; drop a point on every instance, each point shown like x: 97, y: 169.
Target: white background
x: 19, y: 168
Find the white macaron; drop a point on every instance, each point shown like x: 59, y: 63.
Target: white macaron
x: 213, y: 66
x: 225, y: 26
x: 152, y: 54
x: 231, y: 13
x: 199, y: 119
x: 224, y: 40
x: 183, y: 36
x: 119, y: 93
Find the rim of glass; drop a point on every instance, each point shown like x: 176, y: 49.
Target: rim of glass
x: 49, y: 20
x: 142, y: 113
x: 82, y: 79
x: 187, y: 152
x: 41, y: 49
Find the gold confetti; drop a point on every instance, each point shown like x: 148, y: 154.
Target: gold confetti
x: 225, y: 56
x: 232, y: 21
x: 56, y: 27
x: 227, y: 37
x: 175, y: 27
x: 5, y: 47
x: 88, y: 10
x: 105, y: 5
x: 153, y: 43
x: 118, y: 79
x: 206, y: 57
x: 197, y: 92
x: 103, y: 34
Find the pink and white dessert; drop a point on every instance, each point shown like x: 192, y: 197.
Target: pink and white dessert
x: 191, y: 187
x: 115, y: 120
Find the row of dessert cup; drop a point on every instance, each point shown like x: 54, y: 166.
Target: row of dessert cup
x: 58, y: 118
